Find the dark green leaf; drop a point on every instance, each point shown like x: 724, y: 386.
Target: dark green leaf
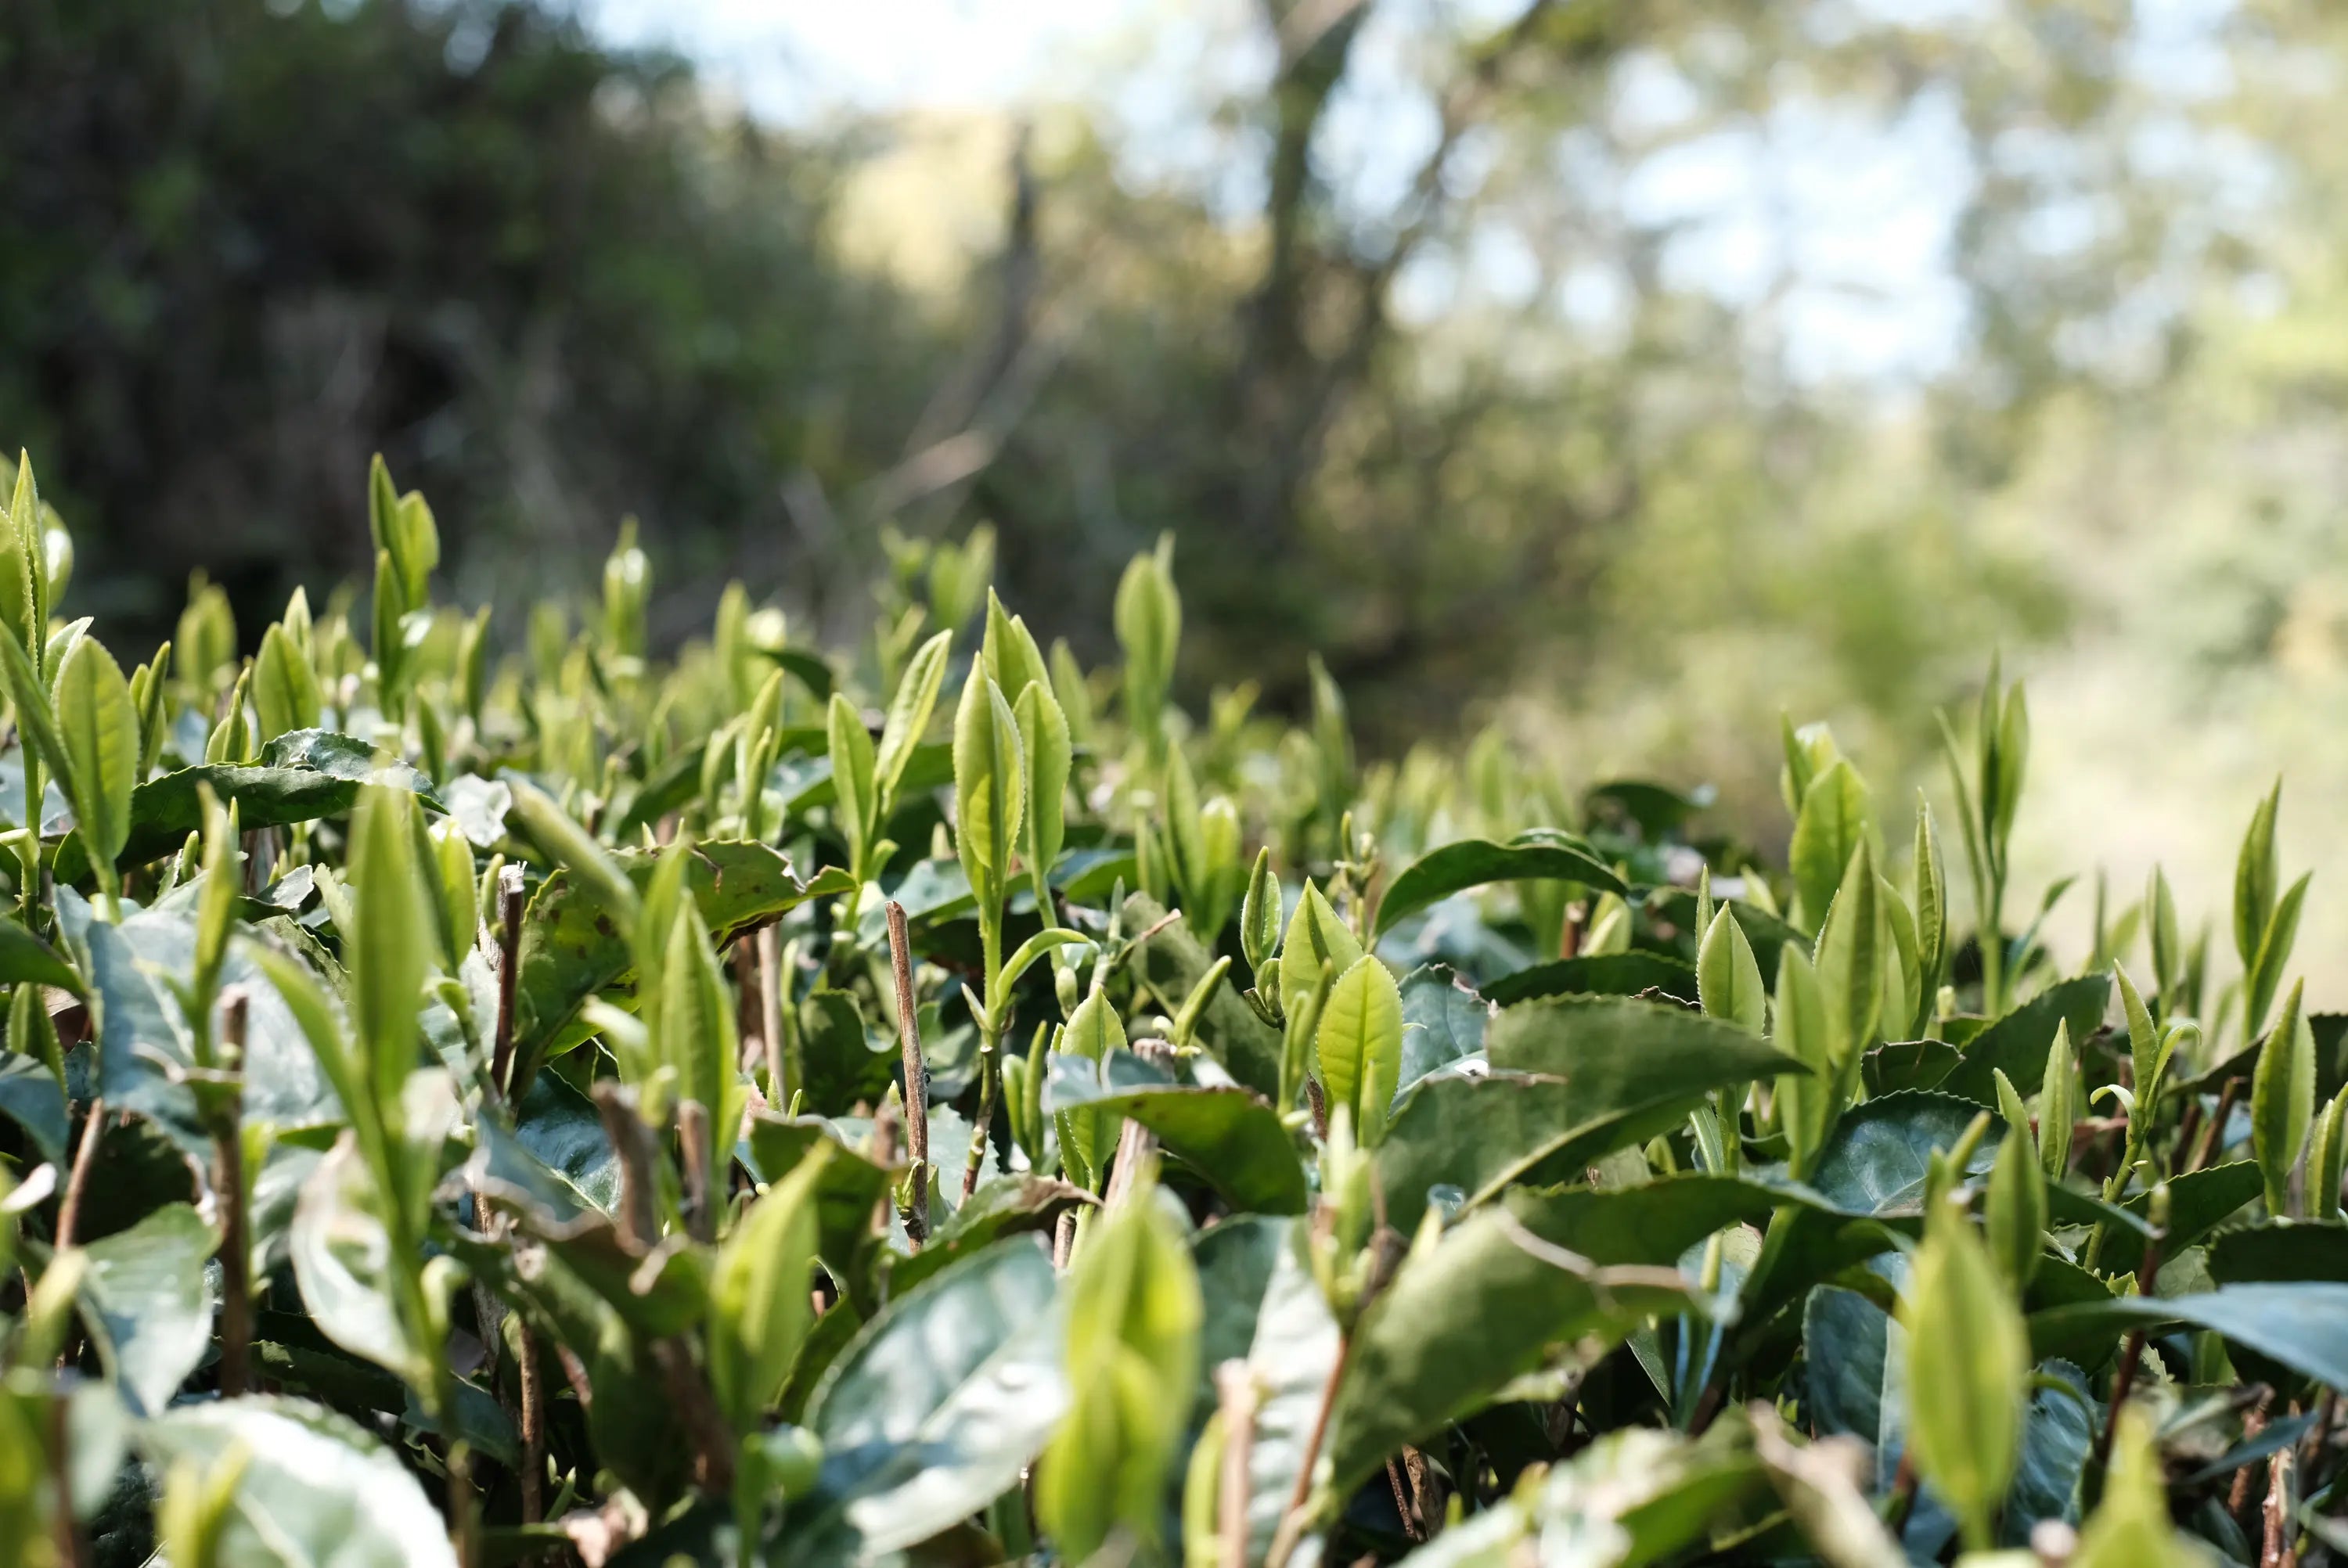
x: 25, y: 958
x: 1474, y: 861
x: 940, y: 1402
x: 1572, y: 1078
x: 1459, y: 1324
x: 2277, y: 1251
x: 302, y: 776
x: 145, y: 1046
x: 149, y: 1304
x: 1599, y: 974
x: 2018, y: 1041
x: 2302, y: 1325
x: 1443, y: 1021
x: 1230, y: 1135
x: 31, y: 1097
x: 572, y: 948
x: 1907, y: 1065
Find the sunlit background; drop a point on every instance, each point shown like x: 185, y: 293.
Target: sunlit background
x: 1621, y: 372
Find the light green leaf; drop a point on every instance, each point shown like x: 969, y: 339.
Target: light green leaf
x: 315, y: 1488
x: 2015, y: 1210
x: 908, y: 711
x: 1810, y: 1104
x: 989, y: 782
x: 1049, y: 755
x: 284, y: 688
x: 1131, y: 1360
x: 1965, y: 1398
x: 100, y: 731
x: 2282, y: 1099
x: 2057, y: 1104
x: 2256, y: 879
x: 1850, y: 959
x: 759, y: 1311
x: 1358, y: 1045
x: 2265, y: 972
x: 387, y: 954
x: 1727, y: 975
x: 2144, y: 1047
x: 342, y: 1255
x: 1010, y: 652
x: 1932, y: 949
x: 1837, y: 815
x: 1315, y: 936
x: 856, y: 800
x: 1259, y: 922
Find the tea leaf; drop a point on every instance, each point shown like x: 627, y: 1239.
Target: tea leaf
x: 2283, y: 1100
x: 1358, y: 1045
x: 1964, y: 1398
x: 1729, y: 978
x: 1475, y: 862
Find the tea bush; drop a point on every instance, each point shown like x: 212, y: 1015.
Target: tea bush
x: 934, y: 1103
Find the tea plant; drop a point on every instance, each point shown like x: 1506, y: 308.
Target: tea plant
x: 931, y: 1102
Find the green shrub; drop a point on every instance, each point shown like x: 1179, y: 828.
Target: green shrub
x: 871, y: 1106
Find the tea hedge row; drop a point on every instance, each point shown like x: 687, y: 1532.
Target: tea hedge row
x: 932, y: 1102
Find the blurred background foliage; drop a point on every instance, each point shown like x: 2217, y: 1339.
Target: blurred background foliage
x: 1504, y: 433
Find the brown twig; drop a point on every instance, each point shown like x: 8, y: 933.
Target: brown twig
x: 93, y: 1128
x: 2277, y: 1552
x: 509, y: 913
x: 228, y: 1190
x: 1135, y: 1142
x: 532, y: 1423
x: 638, y: 1217
x: 749, y: 1034
x: 2255, y: 1422
x: 2131, y: 1350
x: 917, y: 1073
x: 574, y: 1372
x: 2213, y: 1136
x: 1235, y: 1390
x: 1291, y: 1518
x: 1410, y: 1525
x: 2189, y: 1127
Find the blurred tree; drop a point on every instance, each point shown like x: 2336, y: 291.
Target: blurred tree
x: 1472, y: 411
x: 250, y: 244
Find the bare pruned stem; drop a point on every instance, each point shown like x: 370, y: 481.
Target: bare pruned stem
x: 1235, y: 1389
x: 534, y: 1424
x: 2278, y: 1549
x: 93, y: 1128
x: 917, y: 1072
